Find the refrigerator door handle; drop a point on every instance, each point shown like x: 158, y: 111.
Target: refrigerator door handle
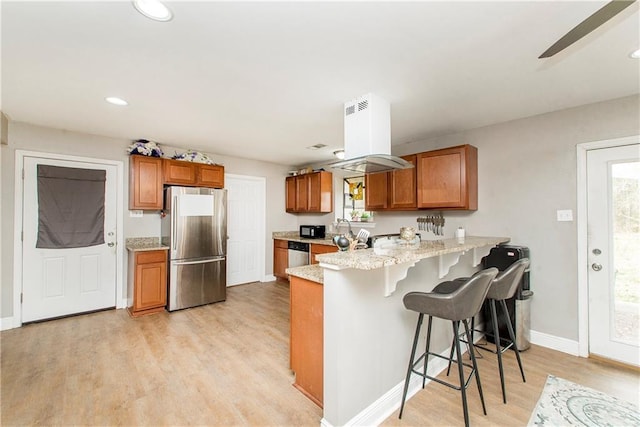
x: 201, y: 261
x: 175, y: 223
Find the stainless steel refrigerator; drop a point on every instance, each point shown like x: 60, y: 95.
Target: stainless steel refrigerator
x: 195, y: 229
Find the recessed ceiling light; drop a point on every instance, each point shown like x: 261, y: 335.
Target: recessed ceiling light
x: 339, y: 154
x: 635, y: 55
x: 153, y: 9
x: 116, y: 101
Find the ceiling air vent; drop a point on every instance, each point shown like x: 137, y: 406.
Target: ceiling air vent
x: 350, y: 110
x: 362, y: 105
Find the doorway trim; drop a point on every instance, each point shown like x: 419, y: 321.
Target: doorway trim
x: 262, y: 212
x: 121, y: 296
x: 582, y: 232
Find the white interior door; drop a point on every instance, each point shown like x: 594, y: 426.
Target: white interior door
x: 613, y: 222
x: 59, y: 282
x: 245, y: 227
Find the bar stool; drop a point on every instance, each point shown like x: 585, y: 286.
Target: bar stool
x: 461, y: 304
x: 503, y: 287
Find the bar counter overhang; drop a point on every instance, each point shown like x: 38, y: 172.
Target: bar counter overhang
x: 367, y: 331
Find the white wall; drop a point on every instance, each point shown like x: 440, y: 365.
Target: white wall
x: 24, y: 136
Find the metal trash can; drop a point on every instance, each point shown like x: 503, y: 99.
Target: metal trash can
x: 523, y: 320
x: 519, y: 306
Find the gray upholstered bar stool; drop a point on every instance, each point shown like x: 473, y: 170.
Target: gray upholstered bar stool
x: 503, y: 287
x: 461, y: 304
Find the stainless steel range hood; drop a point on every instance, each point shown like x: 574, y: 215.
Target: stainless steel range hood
x: 367, y: 137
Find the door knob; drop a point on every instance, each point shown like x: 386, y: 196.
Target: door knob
x: 596, y: 266
x: 111, y: 244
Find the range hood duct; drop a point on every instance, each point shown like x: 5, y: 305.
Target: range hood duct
x: 367, y: 137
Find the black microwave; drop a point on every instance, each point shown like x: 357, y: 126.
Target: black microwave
x: 312, y: 231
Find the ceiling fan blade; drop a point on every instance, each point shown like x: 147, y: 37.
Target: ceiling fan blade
x: 601, y: 16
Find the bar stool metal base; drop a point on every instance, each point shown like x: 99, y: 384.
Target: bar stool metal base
x: 502, y: 344
x: 463, y: 382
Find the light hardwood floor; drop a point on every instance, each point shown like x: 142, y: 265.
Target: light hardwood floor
x: 227, y: 364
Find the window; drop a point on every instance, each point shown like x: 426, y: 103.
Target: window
x: 354, y: 199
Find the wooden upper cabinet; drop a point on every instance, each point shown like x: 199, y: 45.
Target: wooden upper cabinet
x: 392, y: 190
x: 290, y: 189
x: 402, y: 187
x: 320, y: 192
x: 375, y: 185
x: 210, y: 176
x: 145, y: 182
x: 302, y: 193
x: 312, y: 192
x: 148, y: 174
x: 448, y: 178
x: 179, y: 172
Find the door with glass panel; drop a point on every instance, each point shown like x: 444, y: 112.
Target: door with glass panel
x: 613, y: 221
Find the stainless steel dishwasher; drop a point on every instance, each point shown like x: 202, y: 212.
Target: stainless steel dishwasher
x: 298, y: 254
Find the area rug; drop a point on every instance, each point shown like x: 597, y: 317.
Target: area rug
x: 563, y: 403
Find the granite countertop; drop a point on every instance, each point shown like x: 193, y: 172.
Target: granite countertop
x: 295, y: 237
x: 136, y: 244
x: 311, y: 272
x: 370, y: 259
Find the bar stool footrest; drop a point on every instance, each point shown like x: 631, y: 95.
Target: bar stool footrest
x: 439, y: 381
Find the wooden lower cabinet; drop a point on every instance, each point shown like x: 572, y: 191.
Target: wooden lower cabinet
x: 148, y: 276
x: 317, y: 249
x: 306, y: 340
x: 280, y: 258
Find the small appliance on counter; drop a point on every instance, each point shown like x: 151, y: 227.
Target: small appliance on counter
x: 312, y: 231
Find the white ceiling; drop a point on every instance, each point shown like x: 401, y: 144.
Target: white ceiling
x: 265, y: 80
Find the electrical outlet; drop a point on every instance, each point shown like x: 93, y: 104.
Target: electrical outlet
x: 135, y: 214
x: 565, y: 215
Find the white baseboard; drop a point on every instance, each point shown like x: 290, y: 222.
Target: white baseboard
x: 7, y: 323
x: 387, y: 404
x: 555, y: 343
x: 268, y: 278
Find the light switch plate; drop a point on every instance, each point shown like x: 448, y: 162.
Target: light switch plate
x: 565, y: 215
x: 135, y: 214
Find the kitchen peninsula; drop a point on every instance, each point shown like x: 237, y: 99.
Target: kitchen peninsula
x: 367, y: 332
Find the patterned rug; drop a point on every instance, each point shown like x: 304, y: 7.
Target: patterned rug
x: 563, y: 403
